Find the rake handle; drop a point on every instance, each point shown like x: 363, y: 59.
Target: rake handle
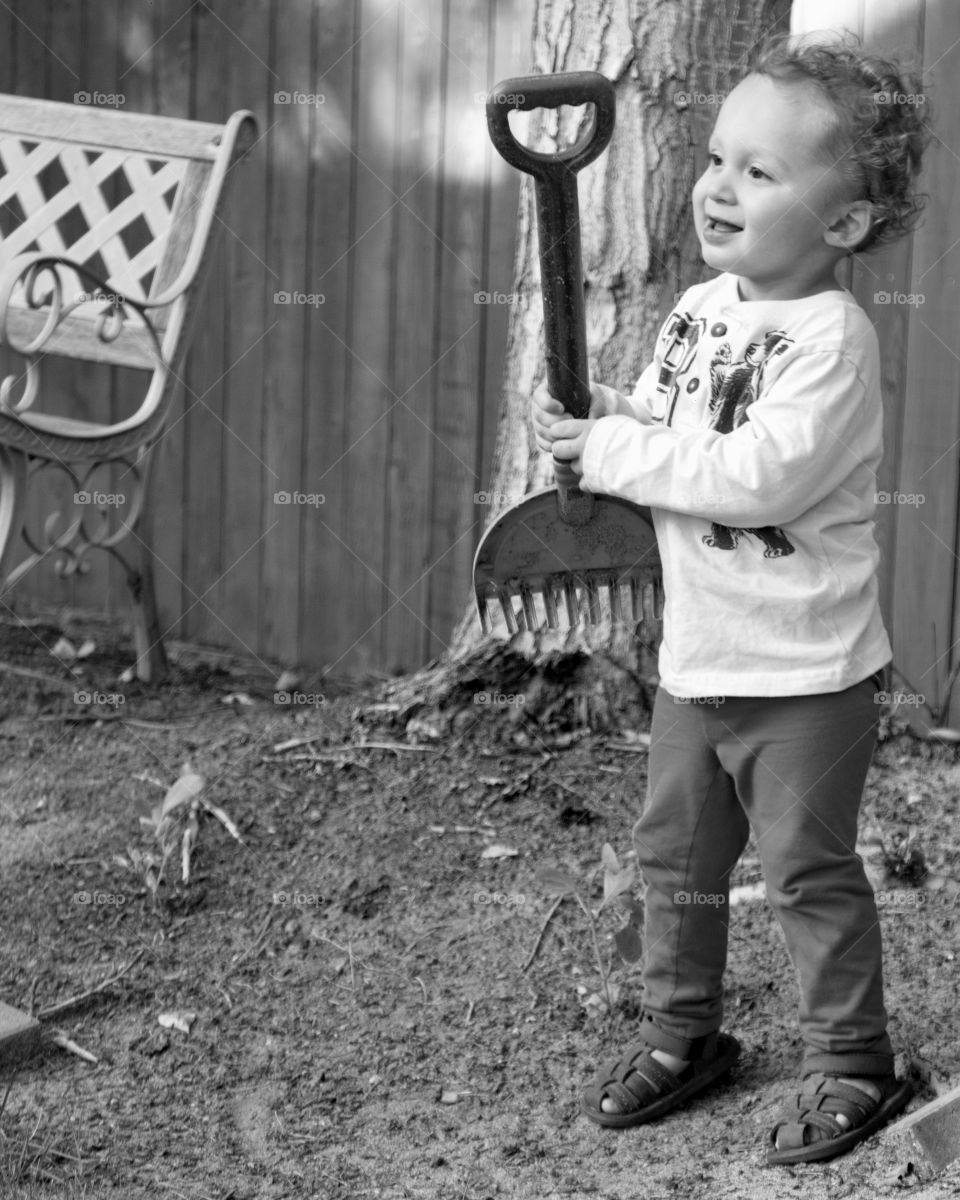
x: 558, y: 228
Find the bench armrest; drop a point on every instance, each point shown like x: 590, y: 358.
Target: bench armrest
x: 43, y: 290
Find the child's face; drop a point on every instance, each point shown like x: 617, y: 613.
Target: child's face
x: 767, y: 197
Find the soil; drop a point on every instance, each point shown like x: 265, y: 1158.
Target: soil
x: 384, y: 1004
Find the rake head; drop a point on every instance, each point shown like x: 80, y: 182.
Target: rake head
x: 541, y: 570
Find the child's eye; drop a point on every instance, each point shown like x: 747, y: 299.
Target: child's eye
x: 757, y: 173
x: 714, y: 159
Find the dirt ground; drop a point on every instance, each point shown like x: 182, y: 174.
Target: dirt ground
x: 374, y: 1013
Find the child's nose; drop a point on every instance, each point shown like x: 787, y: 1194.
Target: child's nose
x: 720, y: 186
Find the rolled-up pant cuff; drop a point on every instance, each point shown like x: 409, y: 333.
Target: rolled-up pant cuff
x: 822, y: 1063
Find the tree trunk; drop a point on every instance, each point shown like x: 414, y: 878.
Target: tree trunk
x: 671, y: 62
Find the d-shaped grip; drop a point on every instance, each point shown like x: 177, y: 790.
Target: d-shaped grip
x: 527, y: 92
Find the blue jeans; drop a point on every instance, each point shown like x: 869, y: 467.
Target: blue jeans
x: 792, y: 768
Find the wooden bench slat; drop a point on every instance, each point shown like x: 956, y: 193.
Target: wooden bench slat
x: 76, y: 337
x: 157, y: 137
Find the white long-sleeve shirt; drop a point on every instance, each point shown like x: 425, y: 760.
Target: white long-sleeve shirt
x: 755, y: 436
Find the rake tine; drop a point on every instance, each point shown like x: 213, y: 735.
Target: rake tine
x: 484, y: 614
x: 550, y: 605
x: 570, y: 599
x: 649, y: 607
x: 594, y: 615
x: 636, y: 600
x: 616, y: 605
x: 529, y: 606
x: 503, y: 595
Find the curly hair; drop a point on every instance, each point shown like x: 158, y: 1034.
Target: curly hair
x: 881, y: 127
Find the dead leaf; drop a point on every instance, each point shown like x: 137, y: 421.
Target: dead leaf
x: 177, y: 1020
x: 86, y: 649
x: 417, y: 729
x: 629, y: 944
x: 187, y: 787
x: 224, y: 820
x: 237, y: 699
x: 449, y: 1097
x: 289, y: 681
x: 499, y: 852
x: 189, y: 841
x: 65, y: 650
x: 609, y: 858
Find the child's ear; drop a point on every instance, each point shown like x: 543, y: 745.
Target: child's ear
x: 851, y: 226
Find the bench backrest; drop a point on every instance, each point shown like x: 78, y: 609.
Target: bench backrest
x: 130, y: 197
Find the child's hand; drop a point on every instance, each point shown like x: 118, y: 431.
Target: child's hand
x: 547, y: 413
x: 569, y: 441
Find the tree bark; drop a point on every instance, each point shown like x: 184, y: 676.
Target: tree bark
x: 671, y: 62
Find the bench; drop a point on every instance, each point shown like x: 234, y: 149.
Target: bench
x: 106, y: 221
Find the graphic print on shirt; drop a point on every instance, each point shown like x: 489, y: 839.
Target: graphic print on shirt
x: 683, y: 336
x: 733, y: 388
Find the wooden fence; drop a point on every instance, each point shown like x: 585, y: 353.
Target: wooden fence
x: 343, y: 358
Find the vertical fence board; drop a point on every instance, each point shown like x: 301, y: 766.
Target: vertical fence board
x: 892, y: 28
x: 414, y: 301
x: 457, y: 514
x: 326, y: 619
x: 362, y: 526
x: 173, y: 73
x: 207, y: 378
x: 926, y: 541
x: 246, y: 594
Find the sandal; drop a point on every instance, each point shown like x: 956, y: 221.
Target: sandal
x: 644, y: 1089
x: 809, y: 1130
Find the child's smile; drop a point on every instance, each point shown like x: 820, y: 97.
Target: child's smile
x: 765, y: 205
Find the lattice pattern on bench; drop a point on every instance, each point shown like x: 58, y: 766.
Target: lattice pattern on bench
x: 105, y: 222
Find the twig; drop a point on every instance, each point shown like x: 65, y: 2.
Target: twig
x: 596, y: 947
x: 543, y: 929
x: 54, y: 1010
x: 69, y: 685
x: 60, y: 1039
x: 255, y: 945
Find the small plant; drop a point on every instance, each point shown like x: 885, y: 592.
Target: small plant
x: 174, y: 824
x: 617, y: 884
